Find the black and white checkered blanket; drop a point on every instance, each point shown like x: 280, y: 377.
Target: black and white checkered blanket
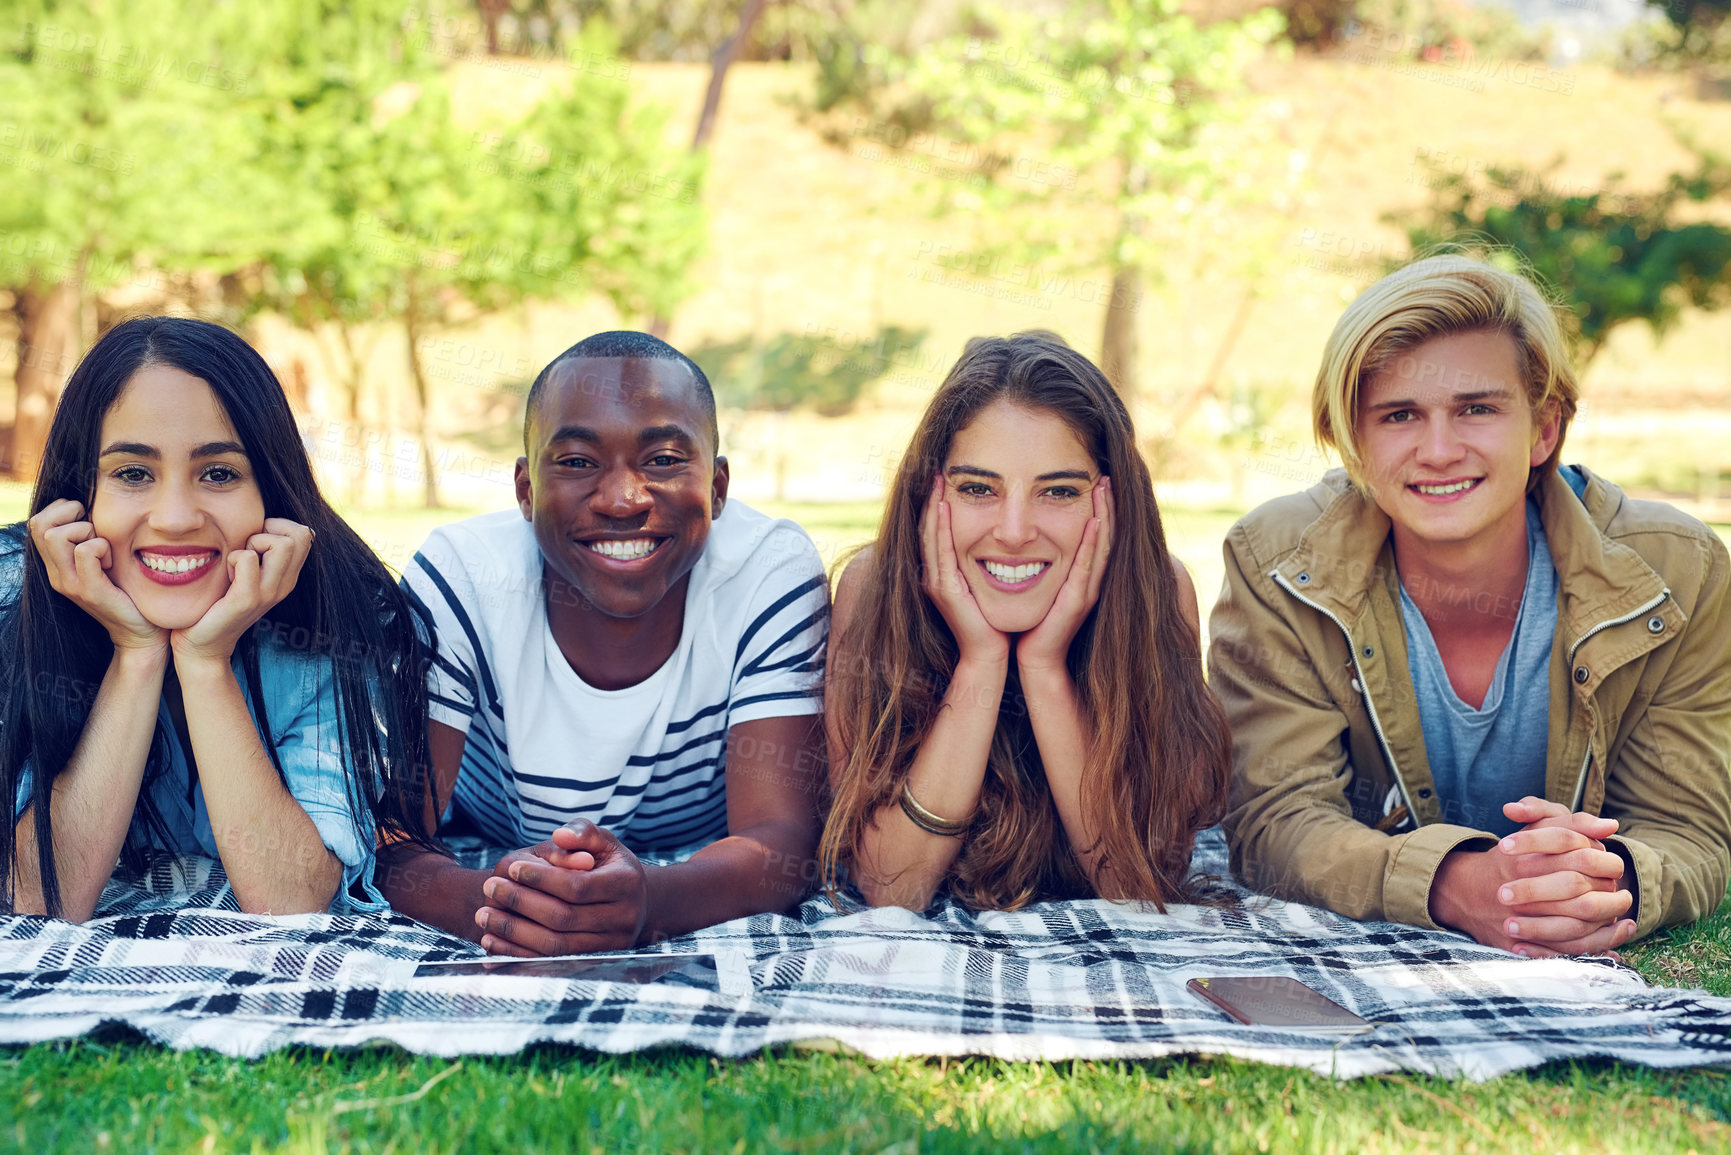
x: 172, y: 957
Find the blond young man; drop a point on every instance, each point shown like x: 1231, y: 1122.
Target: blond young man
x: 1470, y: 689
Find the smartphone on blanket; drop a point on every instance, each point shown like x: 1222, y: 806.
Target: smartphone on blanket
x: 1277, y: 1001
x: 627, y: 968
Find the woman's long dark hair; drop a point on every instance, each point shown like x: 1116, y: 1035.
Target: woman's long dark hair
x: 1157, y: 768
x: 345, y: 606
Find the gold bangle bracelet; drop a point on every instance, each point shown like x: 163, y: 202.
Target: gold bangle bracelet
x: 926, y: 820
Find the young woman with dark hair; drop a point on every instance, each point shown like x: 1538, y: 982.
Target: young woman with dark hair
x: 197, y: 655
x: 1015, y: 701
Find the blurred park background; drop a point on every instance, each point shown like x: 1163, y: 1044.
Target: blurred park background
x: 410, y: 206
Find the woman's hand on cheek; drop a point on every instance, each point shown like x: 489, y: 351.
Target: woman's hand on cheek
x: 77, y: 562
x: 941, y: 578
x: 1047, y: 645
x: 260, y: 576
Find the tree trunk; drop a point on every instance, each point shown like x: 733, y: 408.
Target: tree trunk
x: 1159, y: 447
x: 47, y: 351
x: 1210, y: 383
x: 353, y: 370
x: 724, y: 58
x: 1118, y: 336
x: 1118, y: 339
x: 490, y: 11
x: 417, y: 373
x: 718, y: 65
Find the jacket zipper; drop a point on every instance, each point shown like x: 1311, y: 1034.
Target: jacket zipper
x: 1609, y: 622
x: 1358, y: 676
x: 1581, y: 776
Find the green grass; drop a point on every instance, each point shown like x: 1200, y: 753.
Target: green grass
x: 116, y: 1093
x: 1697, y: 955
x: 121, y: 1095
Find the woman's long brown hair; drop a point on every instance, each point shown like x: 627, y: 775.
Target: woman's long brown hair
x: 1157, y: 770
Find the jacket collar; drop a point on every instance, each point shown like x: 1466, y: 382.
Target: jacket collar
x: 1347, y: 551
x: 1343, y: 554
x: 1600, y: 579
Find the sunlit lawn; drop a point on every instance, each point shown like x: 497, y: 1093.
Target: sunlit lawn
x: 116, y: 1093
x: 126, y: 1096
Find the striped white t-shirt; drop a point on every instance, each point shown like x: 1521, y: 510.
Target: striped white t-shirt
x: 646, y: 762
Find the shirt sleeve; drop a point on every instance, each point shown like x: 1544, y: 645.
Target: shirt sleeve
x: 778, y: 665
x: 308, y: 741
x: 26, y: 784
x: 1667, y: 784
x: 11, y: 583
x: 440, y: 589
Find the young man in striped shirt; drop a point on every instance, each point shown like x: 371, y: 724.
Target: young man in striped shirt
x: 630, y: 664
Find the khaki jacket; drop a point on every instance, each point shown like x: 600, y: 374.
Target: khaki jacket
x: 1332, y: 797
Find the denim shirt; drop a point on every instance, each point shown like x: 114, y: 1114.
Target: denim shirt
x: 301, y: 695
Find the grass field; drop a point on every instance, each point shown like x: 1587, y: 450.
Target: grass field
x: 128, y: 1097
x: 114, y: 1092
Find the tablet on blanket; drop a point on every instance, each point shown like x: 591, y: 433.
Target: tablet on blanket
x: 619, y: 968
x: 1277, y: 1001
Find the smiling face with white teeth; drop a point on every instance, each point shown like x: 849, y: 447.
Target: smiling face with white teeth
x: 1019, y: 484
x: 175, y: 495
x: 1448, y: 439
x: 621, y: 483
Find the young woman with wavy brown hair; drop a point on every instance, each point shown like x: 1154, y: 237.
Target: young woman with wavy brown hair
x: 1014, y: 699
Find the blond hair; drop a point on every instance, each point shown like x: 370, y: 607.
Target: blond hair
x: 1437, y: 297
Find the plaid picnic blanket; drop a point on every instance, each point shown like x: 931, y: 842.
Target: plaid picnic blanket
x: 172, y: 957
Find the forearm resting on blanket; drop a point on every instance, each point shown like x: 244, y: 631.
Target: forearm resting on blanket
x: 431, y: 888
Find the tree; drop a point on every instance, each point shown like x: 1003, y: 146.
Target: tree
x: 722, y: 60
x: 644, y: 29
x: 131, y: 154
x: 813, y: 371
x: 1123, y: 107
x: 1614, y: 256
x: 800, y: 371
x: 1701, y: 28
x: 427, y: 222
